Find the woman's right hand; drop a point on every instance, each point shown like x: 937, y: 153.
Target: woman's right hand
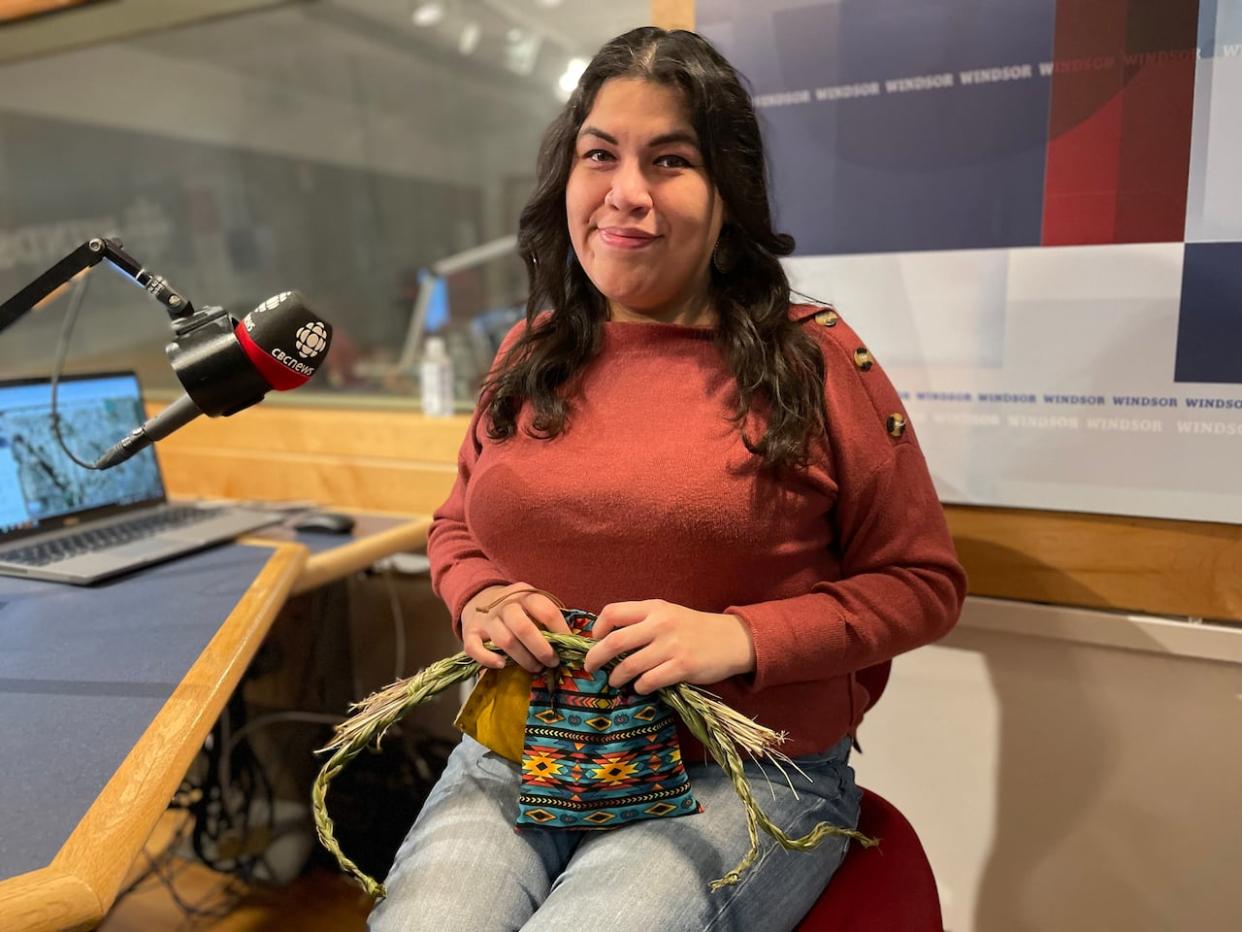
x: 513, y: 625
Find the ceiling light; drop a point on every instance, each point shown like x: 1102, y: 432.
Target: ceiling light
x: 469, y: 40
x: 427, y: 14
x: 522, y: 51
x: 573, y: 71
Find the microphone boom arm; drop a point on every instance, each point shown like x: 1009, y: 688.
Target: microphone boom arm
x: 223, y: 365
x: 203, y: 351
x: 90, y: 254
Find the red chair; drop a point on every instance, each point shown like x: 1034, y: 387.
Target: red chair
x: 889, y: 888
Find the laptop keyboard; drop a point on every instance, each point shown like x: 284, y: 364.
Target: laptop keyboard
x: 112, y: 535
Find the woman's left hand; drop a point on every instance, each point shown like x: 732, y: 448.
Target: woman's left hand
x: 668, y: 644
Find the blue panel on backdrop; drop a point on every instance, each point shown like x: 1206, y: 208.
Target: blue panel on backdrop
x: 866, y: 165
x: 1209, y: 330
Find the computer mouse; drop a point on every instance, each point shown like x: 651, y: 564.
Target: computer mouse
x: 324, y: 522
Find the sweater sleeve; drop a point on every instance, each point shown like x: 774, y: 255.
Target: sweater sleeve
x: 460, y: 568
x: 901, y: 585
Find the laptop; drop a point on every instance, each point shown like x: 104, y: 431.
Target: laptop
x: 61, y: 522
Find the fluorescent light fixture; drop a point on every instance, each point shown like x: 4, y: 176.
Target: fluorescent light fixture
x: 427, y: 14
x: 469, y: 40
x: 573, y: 71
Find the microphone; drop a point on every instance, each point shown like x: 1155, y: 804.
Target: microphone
x: 226, y: 366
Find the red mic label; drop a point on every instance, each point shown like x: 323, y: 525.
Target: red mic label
x: 282, y: 370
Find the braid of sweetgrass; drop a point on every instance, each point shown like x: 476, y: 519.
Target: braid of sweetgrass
x: 372, y: 719
x: 722, y: 730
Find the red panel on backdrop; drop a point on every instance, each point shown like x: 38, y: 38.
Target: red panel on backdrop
x: 1119, y: 122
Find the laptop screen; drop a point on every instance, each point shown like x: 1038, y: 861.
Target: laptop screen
x: 40, y: 487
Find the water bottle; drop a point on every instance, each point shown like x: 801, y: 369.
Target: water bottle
x: 436, y: 372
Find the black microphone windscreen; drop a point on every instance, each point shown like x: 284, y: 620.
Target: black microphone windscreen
x: 285, y: 340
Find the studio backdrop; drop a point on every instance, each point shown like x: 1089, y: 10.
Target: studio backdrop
x: 1032, y: 210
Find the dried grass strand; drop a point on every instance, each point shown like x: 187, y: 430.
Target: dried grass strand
x: 726, y: 734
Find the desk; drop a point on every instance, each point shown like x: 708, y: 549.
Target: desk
x: 107, y: 693
x: 375, y: 535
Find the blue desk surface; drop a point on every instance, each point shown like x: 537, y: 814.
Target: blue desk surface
x: 84, y: 670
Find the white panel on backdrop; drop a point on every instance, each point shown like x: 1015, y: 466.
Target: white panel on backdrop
x: 1214, y: 206
x: 1041, y: 377
x: 917, y: 308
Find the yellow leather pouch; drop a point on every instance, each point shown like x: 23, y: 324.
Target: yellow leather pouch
x: 495, y: 712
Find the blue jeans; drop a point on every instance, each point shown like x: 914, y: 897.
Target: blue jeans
x: 464, y: 867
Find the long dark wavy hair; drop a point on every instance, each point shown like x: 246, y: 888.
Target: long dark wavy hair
x: 776, y: 366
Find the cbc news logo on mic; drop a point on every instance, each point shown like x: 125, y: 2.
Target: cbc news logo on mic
x: 311, y: 339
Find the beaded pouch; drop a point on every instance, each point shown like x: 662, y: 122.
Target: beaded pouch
x: 597, y: 757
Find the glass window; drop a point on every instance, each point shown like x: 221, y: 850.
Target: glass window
x: 373, y: 154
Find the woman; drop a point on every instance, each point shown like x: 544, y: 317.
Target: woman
x: 726, y: 479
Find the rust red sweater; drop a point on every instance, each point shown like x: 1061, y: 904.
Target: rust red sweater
x: 647, y: 495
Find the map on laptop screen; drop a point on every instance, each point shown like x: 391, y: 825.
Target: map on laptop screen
x: 38, y: 481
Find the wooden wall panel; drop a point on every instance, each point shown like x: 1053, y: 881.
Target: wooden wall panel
x: 1142, y: 565
x: 373, y: 460
x: 403, y: 462
x: 364, y: 483
x: 672, y: 14
x: 404, y: 435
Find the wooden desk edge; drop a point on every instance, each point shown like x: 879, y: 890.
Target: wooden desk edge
x: 339, y: 562
x: 49, y: 898
x: 78, y: 888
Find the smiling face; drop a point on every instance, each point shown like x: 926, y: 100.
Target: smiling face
x: 643, y: 214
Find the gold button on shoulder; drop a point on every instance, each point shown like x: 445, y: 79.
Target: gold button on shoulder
x: 827, y: 318
x: 862, y: 359
x: 896, y: 425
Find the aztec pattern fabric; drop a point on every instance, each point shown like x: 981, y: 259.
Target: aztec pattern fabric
x: 597, y: 757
